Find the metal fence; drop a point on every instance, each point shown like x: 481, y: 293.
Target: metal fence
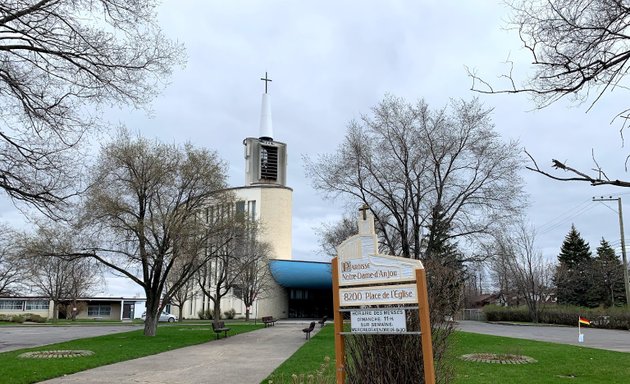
x: 473, y: 314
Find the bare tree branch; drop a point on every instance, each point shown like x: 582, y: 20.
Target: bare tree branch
x: 600, y: 179
x: 60, y: 60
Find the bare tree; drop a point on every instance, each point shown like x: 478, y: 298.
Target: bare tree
x: 526, y: 267
x: 12, y: 266
x: 502, y: 279
x: 145, y: 211
x: 51, y: 274
x: 580, y: 49
x: 59, y: 61
x: 253, y: 274
x: 414, y: 167
x: 331, y: 235
x: 220, y: 274
x: 183, y: 294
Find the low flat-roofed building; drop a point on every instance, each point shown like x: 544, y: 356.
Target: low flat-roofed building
x: 98, y: 308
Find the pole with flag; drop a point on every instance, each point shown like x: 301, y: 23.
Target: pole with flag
x: 582, y: 320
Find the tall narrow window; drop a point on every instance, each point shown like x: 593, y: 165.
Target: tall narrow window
x: 268, y: 163
x: 251, y: 209
x: 240, y: 209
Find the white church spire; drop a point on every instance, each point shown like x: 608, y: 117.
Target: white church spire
x: 266, y: 129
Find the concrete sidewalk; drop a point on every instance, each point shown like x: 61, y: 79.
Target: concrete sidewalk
x: 247, y: 358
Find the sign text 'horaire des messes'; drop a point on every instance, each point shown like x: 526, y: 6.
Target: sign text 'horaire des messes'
x: 378, y: 320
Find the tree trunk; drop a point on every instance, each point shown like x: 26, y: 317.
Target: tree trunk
x: 217, y: 310
x: 55, y: 313
x: 151, y: 315
x: 246, y: 313
x: 150, y: 324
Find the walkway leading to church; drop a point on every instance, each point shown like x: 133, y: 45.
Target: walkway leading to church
x: 242, y: 359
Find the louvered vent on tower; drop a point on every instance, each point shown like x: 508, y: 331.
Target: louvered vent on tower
x: 268, y: 162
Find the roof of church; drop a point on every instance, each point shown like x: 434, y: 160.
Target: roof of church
x: 302, y: 274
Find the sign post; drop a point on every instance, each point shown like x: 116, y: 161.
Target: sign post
x: 364, y: 280
x: 340, y: 350
x: 425, y: 327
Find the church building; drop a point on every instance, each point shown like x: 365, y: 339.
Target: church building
x: 300, y: 289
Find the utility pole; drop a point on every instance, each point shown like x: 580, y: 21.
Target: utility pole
x: 623, y: 245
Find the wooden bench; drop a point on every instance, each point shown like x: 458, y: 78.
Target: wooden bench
x: 269, y: 321
x: 218, y: 327
x: 309, y: 329
x: 322, y: 322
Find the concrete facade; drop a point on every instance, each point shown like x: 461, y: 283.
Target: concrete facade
x: 272, y: 206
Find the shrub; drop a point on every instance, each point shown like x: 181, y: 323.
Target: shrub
x: 610, y: 318
x: 35, y: 318
x: 497, y: 313
x: 17, y: 319
x: 205, y: 315
x: 229, y: 314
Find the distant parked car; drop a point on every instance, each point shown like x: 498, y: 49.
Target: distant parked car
x: 165, y: 316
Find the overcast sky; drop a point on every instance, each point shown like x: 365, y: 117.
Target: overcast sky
x: 331, y: 61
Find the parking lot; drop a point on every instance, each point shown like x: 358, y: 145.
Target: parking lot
x: 17, y: 337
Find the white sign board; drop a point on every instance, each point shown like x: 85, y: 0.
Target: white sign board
x: 378, y: 320
x: 390, y: 294
x: 376, y: 269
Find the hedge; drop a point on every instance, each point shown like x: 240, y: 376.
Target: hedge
x: 610, y: 318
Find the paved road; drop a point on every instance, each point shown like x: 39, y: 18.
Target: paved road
x: 610, y: 339
x: 245, y: 358
x: 17, y: 337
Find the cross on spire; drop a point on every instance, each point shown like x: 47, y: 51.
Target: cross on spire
x: 266, y: 80
x: 364, y: 210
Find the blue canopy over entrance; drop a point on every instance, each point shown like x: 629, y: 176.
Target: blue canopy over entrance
x: 302, y: 274
x: 308, y: 284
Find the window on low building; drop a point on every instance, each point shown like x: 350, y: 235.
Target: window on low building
x: 101, y: 310
x: 32, y: 305
x: 12, y: 305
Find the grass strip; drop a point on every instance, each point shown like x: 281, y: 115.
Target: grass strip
x: 308, y: 359
x: 557, y: 363
x: 107, y: 350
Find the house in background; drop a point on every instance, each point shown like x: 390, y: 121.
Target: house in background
x: 99, y: 308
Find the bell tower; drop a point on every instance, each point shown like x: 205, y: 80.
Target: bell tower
x: 265, y: 159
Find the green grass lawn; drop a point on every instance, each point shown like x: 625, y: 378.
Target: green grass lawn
x: 557, y: 363
x: 308, y: 358
x: 107, y: 350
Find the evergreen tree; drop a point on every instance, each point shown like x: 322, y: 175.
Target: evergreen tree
x: 575, y: 250
x: 574, y: 276
x: 608, y: 276
x: 444, y: 264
